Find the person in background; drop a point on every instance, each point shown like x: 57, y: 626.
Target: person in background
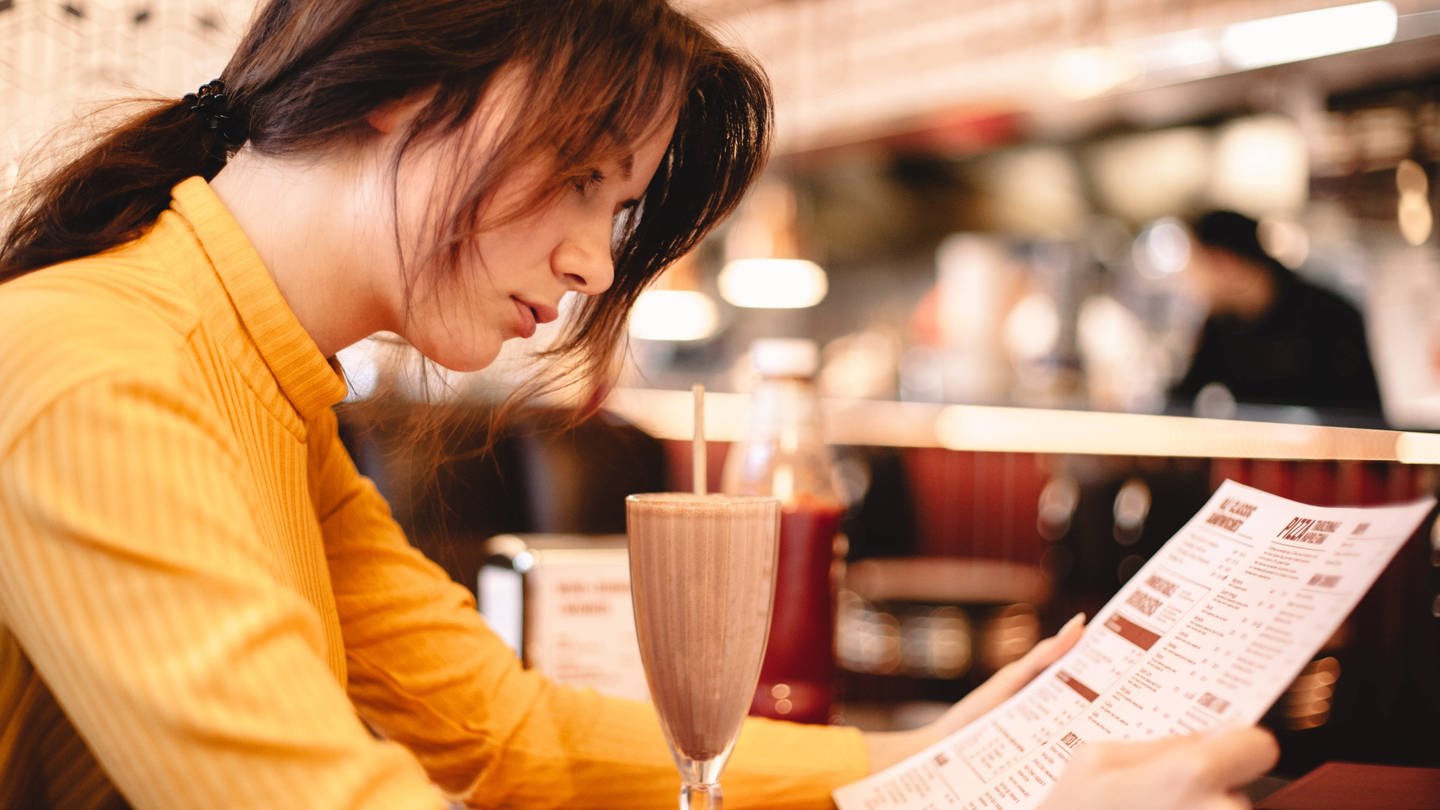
x: 1270, y: 337
x: 202, y: 603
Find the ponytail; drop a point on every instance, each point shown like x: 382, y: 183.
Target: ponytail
x: 116, y: 189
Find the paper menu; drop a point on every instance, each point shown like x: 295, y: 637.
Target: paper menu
x: 1210, y: 631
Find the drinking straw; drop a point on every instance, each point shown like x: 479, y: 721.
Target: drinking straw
x: 697, y: 448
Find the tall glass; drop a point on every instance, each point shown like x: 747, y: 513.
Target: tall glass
x: 702, y: 577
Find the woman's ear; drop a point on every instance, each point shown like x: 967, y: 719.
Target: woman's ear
x: 394, y: 115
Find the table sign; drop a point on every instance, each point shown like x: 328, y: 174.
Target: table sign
x: 562, y: 602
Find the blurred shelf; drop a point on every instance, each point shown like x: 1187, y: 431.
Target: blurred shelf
x: 667, y: 415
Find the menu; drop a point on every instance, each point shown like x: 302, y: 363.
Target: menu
x: 1209, y: 632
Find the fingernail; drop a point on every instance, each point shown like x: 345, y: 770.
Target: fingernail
x: 1078, y: 618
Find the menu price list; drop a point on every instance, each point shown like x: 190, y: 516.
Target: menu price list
x: 1210, y: 631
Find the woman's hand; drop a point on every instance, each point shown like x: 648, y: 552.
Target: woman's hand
x: 889, y: 747
x: 1194, y: 772
x: 1199, y: 771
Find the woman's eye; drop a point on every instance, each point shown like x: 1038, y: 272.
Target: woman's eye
x: 585, y: 182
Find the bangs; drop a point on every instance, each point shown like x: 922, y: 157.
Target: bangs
x: 720, y: 144
x: 608, y: 112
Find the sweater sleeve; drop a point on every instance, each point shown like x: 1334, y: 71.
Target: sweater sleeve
x: 426, y: 671
x: 134, y: 576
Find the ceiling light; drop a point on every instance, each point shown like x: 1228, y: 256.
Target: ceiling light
x: 674, y: 315
x: 773, y: 283
x: 1308, y: 34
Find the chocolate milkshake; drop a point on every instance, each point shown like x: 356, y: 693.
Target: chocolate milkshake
x: 702, y: 576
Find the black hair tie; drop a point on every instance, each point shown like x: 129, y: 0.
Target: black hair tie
x: 211, y: 102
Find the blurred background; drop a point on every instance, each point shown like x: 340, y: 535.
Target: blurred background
x: 970, y: 203
x: 990, y: 197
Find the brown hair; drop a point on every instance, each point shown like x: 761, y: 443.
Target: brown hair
x: 594, y: 73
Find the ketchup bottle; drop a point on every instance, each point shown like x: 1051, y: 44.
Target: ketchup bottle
x: 783, y: 453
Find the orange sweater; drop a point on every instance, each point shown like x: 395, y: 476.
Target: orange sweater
x: 202, y: 603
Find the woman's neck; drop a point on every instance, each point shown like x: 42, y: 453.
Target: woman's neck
x: 304, y: 219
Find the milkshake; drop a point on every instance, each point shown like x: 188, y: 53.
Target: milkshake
x: 702, y: 577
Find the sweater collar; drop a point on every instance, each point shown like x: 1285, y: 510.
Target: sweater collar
x: 308, y: 379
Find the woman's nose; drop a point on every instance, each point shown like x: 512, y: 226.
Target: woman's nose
x: 583, y: 259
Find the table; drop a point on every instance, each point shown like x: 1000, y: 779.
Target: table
x: 1358, y: 786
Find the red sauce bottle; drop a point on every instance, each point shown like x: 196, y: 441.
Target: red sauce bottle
x: 783, y: 453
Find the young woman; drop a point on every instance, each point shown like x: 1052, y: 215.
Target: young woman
x: 201, y: 602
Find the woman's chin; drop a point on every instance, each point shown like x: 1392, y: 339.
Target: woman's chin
x: 463, y: 360
x: 470, y: 364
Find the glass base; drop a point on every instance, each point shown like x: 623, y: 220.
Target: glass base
x: 700, y: 796
x: 701, y: 771
x: 700, y: 780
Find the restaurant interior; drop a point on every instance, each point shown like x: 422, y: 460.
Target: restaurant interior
x: 980, y: 214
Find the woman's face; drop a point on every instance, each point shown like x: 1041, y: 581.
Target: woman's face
x: 511, y: 277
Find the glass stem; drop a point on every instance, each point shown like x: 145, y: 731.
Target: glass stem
x: 700, y: 796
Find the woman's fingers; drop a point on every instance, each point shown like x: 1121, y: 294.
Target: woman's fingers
x: 1206, y: 769
x: 1047, y: 652
x: 1013, y: 676
x: 1174, y: 773
x: 1207, y: 764
x: 1239, y: 755
x: 1223, y: 758
x: 885, y: 748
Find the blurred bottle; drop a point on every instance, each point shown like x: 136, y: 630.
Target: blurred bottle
x: 783, y: 453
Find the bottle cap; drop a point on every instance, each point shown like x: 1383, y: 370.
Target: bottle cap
x: 784, y: 357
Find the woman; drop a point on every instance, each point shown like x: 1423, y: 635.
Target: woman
x: 201, y: 602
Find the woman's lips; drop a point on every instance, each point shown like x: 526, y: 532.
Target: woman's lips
x: 526, y: 326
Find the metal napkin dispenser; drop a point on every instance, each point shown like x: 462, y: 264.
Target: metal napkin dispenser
x: 562, y: 602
